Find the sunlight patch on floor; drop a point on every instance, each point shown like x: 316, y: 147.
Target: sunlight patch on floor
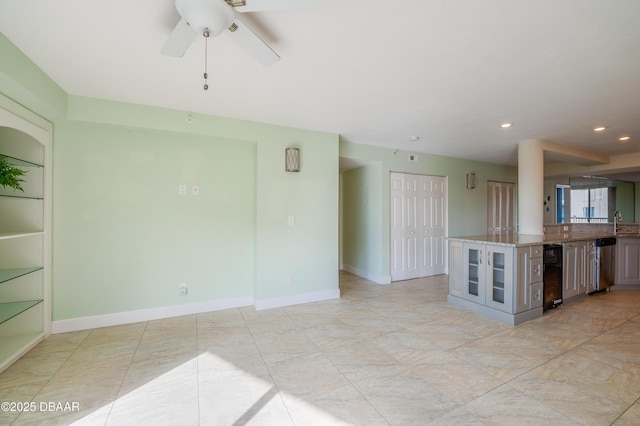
x: 207, y: 390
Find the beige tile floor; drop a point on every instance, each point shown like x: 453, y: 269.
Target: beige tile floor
x: 395, y: 354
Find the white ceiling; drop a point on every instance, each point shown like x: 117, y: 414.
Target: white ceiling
x: 376, y: 72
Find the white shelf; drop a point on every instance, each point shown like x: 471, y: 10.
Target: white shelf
x: 13, y: 309
x: 11, y: 274
x: 20, y: 163
x: 25, y: 224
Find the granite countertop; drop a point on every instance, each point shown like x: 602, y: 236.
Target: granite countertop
x: 522, y: 240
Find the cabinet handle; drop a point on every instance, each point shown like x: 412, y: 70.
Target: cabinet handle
x: 480, y: 257
x: 489, y: 258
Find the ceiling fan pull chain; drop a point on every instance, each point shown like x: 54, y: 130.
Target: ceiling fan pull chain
x: 206, y: 39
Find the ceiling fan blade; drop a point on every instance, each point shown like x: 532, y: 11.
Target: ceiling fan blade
x: 266, y: 5
x: 253, y: 44
x: 180, y: 39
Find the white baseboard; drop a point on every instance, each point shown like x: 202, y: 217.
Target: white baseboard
x: 297, y: 299
x: 378, y: 279
x: 119, y: 318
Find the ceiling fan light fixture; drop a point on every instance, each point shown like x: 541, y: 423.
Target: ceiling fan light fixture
x: 212, y: 16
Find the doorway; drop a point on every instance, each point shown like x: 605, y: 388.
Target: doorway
x: 418, y: 225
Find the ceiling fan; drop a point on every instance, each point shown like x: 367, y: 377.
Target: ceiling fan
x: 210, y: 18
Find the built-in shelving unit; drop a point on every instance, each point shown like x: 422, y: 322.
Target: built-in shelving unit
x: 25, y: 313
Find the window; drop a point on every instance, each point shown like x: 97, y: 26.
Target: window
x: 589, y: 205
x: 585, y: 205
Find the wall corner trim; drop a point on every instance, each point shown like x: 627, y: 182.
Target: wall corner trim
x: 378, y: 279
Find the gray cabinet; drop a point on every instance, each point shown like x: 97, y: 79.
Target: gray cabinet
x: 628, y: 261
x: 499, y: 281
x: 592, y: 267
x: 505, y: 281
x: 571, y: 269
x: 488, y: 275
x: 528, y: 283
x: 455, y: 270
x: 474, y: 272
x: 578, y: 268
x: 499, y: 278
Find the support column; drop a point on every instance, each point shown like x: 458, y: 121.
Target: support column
x: 530, y: 187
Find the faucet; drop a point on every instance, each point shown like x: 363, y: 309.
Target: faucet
x: 617, y: 217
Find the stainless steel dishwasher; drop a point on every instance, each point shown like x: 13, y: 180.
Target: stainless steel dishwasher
x: 606, y: 263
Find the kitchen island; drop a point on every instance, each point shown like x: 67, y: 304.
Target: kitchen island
x: 501, y: 275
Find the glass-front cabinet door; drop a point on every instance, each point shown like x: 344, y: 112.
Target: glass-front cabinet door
x: 499, y: 277
x: 474, y: 260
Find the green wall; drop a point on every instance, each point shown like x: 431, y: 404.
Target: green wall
x: 636, y: 201
x: 362, y: 221
x: 467, y: 208
x: 123, y: 238
x: 626, y: 201
x: 231, y: 241
x: 290, y: 260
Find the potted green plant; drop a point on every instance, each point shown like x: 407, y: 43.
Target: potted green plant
x: 10, y: 175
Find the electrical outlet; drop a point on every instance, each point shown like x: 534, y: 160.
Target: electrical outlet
x: 182, y: 189
x: 291, y: 220
x: 195, y: 190
x: 182, y: 289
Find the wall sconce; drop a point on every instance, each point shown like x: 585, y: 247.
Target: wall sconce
x: 471, y: 180
x: 292, y: 160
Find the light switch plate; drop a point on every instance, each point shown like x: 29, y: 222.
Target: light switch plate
x: 182, y: 289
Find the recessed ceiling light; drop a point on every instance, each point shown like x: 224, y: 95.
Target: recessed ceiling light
x: 600, y: 129
x: 506, y: 125
x: 624, y: 138
x: 414, y: 138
